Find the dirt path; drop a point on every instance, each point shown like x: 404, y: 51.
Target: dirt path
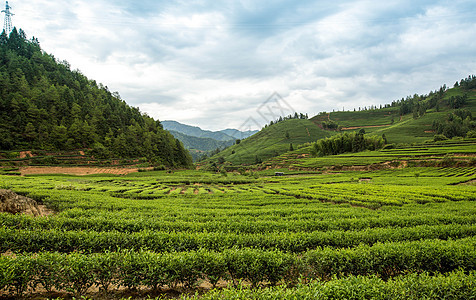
x: 368, y: 126
x: 75, y: 170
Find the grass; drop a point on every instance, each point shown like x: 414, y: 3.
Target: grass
x: 378, y: 117
x: 406, y: 130
x: 272, y: 141
x: 455, y: 150
x: 271, y: 144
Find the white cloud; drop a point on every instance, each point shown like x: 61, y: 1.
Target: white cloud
x: 213, y: 63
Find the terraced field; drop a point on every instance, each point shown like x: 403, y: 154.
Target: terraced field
x: 443, y: 154
x: 156, y: 233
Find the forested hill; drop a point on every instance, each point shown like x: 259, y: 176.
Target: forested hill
x: 44, y: 105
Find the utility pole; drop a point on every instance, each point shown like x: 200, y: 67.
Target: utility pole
x: 7, y: 26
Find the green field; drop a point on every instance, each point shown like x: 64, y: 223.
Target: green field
x: 375, y: 203
x: 456, y: 152
x: 398, y: 130
x: 273, y: 143
x: 393, y: 233
x: 376, y: 117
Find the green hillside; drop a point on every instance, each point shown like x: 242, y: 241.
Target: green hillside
x: 446, y: 113
x: 450, y: 153
x: 271, y: 141
x: 408, y: 120
x: 376, y: 117
x: 45, y: 106
x: 441, y: 123
x: 414, y: 130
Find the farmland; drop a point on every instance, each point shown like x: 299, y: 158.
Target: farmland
x: 99, y: 201
x: 395, y: 232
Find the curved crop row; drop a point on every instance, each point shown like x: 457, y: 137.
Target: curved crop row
x: 92, y: 241
x: 129, y: 221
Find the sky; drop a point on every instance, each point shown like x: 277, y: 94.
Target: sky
x: 240, y: 64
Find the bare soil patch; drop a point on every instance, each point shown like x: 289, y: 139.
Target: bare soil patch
x: 13, y: 203
x: 75, y: 170
x: 368, y: 126
x: 119, y: 292
x: 25, y: 154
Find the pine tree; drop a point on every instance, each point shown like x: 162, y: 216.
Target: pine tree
x: 50, y: 107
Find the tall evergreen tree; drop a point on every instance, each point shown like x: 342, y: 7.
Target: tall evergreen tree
x: 46, y: 106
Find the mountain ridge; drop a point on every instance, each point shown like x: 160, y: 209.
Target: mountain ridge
x: 195, y: 131
x: 200, y: 144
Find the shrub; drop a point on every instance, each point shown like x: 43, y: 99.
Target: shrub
x: 160, y: 168
x: 347, y: 142
x: 439, y: 137
x: 389, y: 146
x: 471, y: 134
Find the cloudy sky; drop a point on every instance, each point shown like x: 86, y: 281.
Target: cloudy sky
x: 214, y: 64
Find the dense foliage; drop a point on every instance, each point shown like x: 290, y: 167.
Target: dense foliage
x: 77, y: 272
x: 46, y: 106
x: 456, y: 285
x: 458, y: 123
x: 467, y: 83
x: 347, y: 142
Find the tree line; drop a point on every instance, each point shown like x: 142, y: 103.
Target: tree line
x: 419, y: 104
x: 459, y: 123
x: 347, y: 142
x: 44, y: 105
x: 300, y: 116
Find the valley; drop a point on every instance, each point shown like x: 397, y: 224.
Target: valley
x: 101, y: 201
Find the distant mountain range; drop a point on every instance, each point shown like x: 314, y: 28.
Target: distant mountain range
x: 222, y: 135
x: 200, y: 142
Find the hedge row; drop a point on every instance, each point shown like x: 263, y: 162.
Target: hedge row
x: 235, y: 221
x: 76, y: 272
x: 92, y: 241
x: 455, y: 285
